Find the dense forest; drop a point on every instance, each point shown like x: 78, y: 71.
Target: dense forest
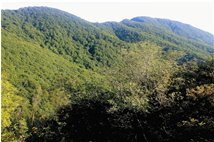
x: 65, y: 79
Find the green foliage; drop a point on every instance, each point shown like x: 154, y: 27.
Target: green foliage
x: 187, y: 113
x: 13, y: 124
x: 125, y: 33
x: 67, y: 35
x: 175, y: 32
x: 72, y: 80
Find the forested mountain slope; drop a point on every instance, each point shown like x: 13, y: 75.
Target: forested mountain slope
x: 67, y: 79
x: 63, y: 33
x: 166, y: 33
x: 178, y: 28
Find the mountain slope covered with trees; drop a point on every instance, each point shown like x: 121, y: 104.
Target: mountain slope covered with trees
x: 67, y: 79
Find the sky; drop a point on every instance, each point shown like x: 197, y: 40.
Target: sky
x: 197, y: 13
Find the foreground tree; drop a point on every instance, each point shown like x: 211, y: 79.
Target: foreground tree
x: 14, y: 126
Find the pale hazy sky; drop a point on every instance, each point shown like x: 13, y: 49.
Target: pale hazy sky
x: 197, y: 13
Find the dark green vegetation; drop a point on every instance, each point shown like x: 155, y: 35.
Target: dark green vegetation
x: 69, y: 80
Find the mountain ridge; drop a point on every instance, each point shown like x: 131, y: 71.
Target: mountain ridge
x: 172, y: 24
x: 137, y: 18
x: 168, y: 19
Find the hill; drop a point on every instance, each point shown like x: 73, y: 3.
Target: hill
x: 67, y: 79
